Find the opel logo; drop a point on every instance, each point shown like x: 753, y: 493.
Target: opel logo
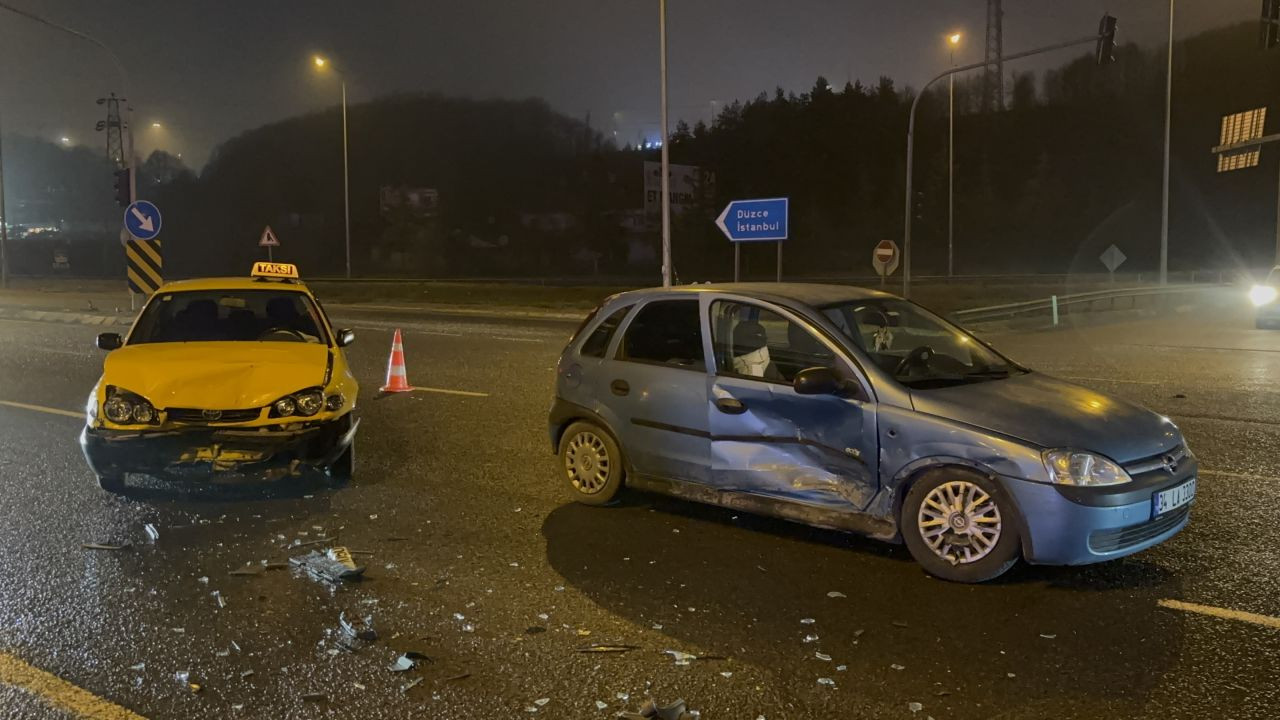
x: 1170, y: 463
x: 211, y: 415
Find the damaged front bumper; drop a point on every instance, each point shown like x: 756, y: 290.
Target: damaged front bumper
x: 190, y: 453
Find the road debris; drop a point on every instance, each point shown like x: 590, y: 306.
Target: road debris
x: 826, y: 681
x: 681, y: 658
x: 1048, y: 637
x: 601, y: 705
x: 810, y: 638
x: 334, y: 565
x: 898, y: 667
x: 899, y: 624
x: 314, y: 697
x: 362, y: 631
x: 217, y: 596
x: 603, y: 648
x: 822, y: 656
x: 151, y: 531
x: 462, y: 676
x: 408, y: 661
x: 139, y: 667
x: 103, y: 546
x: 677, y: 710
x: 836, y: 594
x: 246, y: 674
x: 841, y: 668
x: 915, y: 707
x: 807, y: 621
x: 410, y: 685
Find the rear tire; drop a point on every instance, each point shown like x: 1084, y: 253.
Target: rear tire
x: 111, y: 483
x: 960, y: 526
x: 592, y: 463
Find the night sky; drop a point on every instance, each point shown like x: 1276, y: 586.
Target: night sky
x: 209, y: 70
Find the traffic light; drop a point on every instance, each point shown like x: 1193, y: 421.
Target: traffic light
x: 1107, y: 39
x: 123, y: 196
x: 1270, y: 24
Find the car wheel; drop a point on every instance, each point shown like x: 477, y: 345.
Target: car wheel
x: 960, y: 526
x: 592, y: 463
x: 111, y: 483
x: 342, y: 469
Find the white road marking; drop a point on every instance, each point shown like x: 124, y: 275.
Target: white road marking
x: 43, y: 409
x: 1224, y: 613
x: 1239, y: 476
x: 59, y: 693
x: 516, y: 339
x: 1106, y: 380
x: 443, y: 391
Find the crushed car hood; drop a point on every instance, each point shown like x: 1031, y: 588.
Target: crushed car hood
x: 216, y: 375
x: 1053, y: 413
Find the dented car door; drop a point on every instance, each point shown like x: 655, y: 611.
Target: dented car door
x: 767, y: 438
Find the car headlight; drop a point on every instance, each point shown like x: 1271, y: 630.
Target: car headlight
x: 309, y: 402
x: 125, y: 408
x: 1074, y: 467
x: 284, y: 407
x: 1261, y: 295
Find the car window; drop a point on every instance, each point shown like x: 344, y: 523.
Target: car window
x: 598, y: 341
x: 751, y: 341
x: 667, y: 332
x: 921, y: 349
x: 236, y: 315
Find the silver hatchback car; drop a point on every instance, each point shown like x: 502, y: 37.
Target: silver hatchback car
x: 852, y: 409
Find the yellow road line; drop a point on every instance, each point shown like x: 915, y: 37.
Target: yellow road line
x: 59, y: 693
x: 464, y: 393
x: 1263, y: 620
x: 43, y: 409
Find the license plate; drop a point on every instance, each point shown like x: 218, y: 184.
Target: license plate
x: 1174, y: 497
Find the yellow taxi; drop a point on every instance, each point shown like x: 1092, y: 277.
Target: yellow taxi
x: 220, y: 377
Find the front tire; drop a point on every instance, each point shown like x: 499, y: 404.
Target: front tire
x: 111, y: 483
x: 344, y: 468
x: 592, y: 463
x: 960, y: 526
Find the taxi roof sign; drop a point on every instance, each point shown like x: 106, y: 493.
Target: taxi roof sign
x: 281, y: 271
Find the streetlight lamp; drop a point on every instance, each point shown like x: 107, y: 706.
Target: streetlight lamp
x: 953, y: 39
x: 322, y: 64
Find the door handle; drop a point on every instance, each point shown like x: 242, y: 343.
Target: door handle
x: 619, y: 387
x: 730, y: 406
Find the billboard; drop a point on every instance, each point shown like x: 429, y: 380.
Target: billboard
x: 689, y: 186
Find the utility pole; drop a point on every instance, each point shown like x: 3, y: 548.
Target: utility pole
x: 993, y: 80
x: 666, y: 160
x: 4, y: 224
x: 1164, y: 192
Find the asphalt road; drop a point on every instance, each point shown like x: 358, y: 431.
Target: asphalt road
x: 478, y: 560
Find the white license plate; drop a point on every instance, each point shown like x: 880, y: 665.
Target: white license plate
x: 1174, y: 497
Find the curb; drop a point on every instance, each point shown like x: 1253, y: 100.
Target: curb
x: 68, y: 318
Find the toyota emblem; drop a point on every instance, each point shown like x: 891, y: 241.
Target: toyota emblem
x: 211, y: 415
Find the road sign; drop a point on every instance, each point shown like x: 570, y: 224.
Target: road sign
x: 268, y: 239
x: 754, y: 220
x: 885, y: 257
x: 142, y: 220
x: 1112, y: 258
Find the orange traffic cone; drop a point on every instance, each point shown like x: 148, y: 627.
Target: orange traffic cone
x: 397, y: 380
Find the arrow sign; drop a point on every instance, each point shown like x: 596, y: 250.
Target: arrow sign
x: 142, y: 220
x: 754, y: 220
x: 268, y: 239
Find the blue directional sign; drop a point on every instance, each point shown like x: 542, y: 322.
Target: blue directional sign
x: 754, y: 220
x: 142, y: 220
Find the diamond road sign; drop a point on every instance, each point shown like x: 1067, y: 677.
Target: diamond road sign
x: 754, y: 220
x: 1112, y: 258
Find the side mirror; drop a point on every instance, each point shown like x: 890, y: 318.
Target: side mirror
x: 817, y: 381
x: 346, y: 336
x: 110, y: 341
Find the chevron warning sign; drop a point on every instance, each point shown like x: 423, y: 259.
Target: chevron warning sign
x: 146, y: 265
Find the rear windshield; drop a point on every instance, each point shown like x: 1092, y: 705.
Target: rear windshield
x: 222, y: 315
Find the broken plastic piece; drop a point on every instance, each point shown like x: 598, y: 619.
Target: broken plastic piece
x: 915, y: 707
x: 334, y: 566
x: 364, y: 631
x: 822, y: 656
x: 681, y: 658
x: 896, y: 666
x: 245, y: 674
x: 601, y: 705
x: 217, y: 596
x: 139, y: 667
x: 411, y: 685
x: 827, y: 681
x: 246, y: 570
x: 836, y: 594
x: 103, y: 546
x: 602, y: 648
x: 810, y: 638
x: 152, y: 532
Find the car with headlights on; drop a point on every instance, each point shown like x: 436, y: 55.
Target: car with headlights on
x: 856, y: 410
x: 1264, y: 298
x: 220, y: 377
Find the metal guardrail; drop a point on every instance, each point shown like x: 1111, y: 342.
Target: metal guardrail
x: 1056, y: 305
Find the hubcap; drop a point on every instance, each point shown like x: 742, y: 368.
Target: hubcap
x: 586, y: 460
x: 959, y: 522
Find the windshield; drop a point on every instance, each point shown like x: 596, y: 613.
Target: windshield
x: 919, y: 348
x: 220, y: 315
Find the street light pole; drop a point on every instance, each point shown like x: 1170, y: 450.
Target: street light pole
x: 346, y: 188
x: 4, y: 224
x: 911, y: 129
x: 1168, y: 121
x: 951, y: 165
x: 666, y: 160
